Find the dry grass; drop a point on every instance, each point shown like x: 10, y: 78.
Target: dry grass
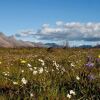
x: 49, y: 74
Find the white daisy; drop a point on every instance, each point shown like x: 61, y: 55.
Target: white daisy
x: 35, y: 72
x: 29, y: 65
x: 31, y: 95
x: 68, y: 96
x: 40, y: 70
x: 42, y: 62
x: 72, y: 92
x: 31, y: 69
x: 24, y: 81
x: 77, y: 77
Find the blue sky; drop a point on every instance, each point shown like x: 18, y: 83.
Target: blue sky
x: 17, y: 15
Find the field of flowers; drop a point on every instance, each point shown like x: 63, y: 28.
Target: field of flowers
x: 49, y: 74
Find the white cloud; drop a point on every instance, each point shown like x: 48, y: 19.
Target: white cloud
x: 59, y: 23
x: 67, y: 31
x: 24, y: 33
x: 45, y: 25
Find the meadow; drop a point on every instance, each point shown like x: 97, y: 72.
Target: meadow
x: 49, y: 74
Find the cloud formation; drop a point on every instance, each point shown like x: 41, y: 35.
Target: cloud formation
x: 66, y: 31
x: 24, y: 33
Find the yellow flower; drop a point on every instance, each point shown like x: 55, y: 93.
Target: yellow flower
x: 0, y: 62
x: 15, y: 83
x: 98, y: 56
x: 23, y: 61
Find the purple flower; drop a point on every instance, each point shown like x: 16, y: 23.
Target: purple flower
x: 91, y: 77
x: 98, y: 60
x: 90, y: 65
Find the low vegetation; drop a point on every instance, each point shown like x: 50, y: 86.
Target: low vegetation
x: 49, y: 74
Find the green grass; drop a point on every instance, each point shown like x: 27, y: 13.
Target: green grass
x: 63, y: 70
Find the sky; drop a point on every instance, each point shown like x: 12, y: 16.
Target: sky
x: 76, y: 21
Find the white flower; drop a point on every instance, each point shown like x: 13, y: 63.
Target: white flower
x: 77, y: 77
x: 15, y: 83
x: 31, y: 69
x: 41, y: 70
x: 72, y: 65
x: 72, y: 92
x: 6, y: 73
x: 68, y: 96
x: 24, y: 81
x: 35, y: 72
x: 55, y: 64
x: 29, y: 65
x: 42, y: 62
x: 22, y: 71
x: 35, y: 68
x: 31, y: 94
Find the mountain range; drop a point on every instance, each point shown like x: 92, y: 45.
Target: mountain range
x: 12, y: 42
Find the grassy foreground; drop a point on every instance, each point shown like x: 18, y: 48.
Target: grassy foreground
x: 49, y: 74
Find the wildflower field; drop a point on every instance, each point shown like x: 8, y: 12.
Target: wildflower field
x: 49, y: 74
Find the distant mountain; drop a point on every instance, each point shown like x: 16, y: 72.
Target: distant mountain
x: 85, y: 46
x: 97, y: 46
x: 11, y: 42
x: 54, y: 45
x: 38, y: 44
